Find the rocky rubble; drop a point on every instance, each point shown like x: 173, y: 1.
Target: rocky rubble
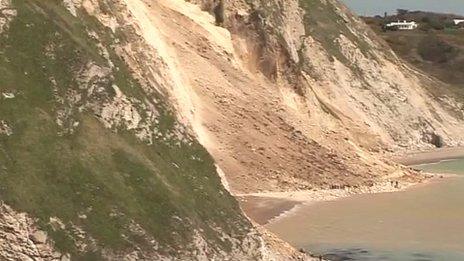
x: 5, y: 129
x: 331, y: 79
x: 91, y: 91
x: 20, y: 239
x: 7, y: 13
x: 278, y: 103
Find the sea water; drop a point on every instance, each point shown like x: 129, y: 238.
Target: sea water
x: 422, y: 223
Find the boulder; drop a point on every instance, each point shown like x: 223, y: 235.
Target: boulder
x: 39, y: 237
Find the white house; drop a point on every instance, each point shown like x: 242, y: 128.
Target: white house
x: 458, y: 21
x: 402, y: 25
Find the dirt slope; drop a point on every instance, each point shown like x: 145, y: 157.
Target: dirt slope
x: 280, y: 105
x: 243, y: 123
x: 94, y: 163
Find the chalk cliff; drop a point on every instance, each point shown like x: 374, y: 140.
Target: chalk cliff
x: 126, y: 125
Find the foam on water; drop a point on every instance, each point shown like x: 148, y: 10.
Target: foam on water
x: 424, y: 223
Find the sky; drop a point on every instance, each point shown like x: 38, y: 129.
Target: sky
x: 374, y: 7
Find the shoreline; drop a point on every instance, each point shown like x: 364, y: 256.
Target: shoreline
x: 267, y: 207
x: 293, y: 200
x: 430, y: 156
x: 264, y: 207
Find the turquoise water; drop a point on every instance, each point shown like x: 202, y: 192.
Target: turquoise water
x: 448, y: 166
x: 423, y: 223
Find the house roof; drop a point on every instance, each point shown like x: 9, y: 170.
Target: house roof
x: 458, y: 21
x: 412, y: 23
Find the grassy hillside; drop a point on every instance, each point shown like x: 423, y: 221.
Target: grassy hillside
x: 436, y: 47
x: 100, y: 180
x: 324, y: 24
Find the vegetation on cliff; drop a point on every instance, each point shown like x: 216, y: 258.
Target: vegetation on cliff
x: 436, y: 47
x: 112, y: 191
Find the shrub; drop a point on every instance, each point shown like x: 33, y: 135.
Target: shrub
x: 435, y: 50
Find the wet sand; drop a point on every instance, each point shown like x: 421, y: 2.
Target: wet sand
x: 431, y: 156
x: 264, y: 209
x: 422, y: 223
x: 268, y: 207
x: 271, y: 208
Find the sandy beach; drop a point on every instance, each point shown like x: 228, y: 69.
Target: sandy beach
x: 265, y: 207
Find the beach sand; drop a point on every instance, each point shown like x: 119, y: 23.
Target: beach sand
x: 263, y: 208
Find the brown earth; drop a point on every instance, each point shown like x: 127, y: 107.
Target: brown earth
x: 271, y: 127
x: 293, y: 99
x: 240, y: 117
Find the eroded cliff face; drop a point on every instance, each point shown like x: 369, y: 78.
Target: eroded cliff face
x: 293, y: 94
x: 107, y: 106
x: 95, y: 160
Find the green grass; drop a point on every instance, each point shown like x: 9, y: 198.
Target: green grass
x: 110, y: 176
x: 325, y: 25
x: 438, y: 53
